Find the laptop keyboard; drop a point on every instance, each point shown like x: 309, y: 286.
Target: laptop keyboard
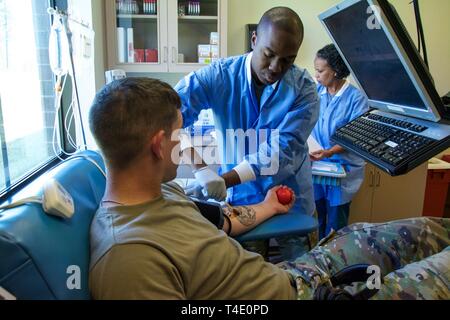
x: 388, y: 142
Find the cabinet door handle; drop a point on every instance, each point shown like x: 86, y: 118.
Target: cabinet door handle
x: 378, y: 179
x: 166, y: 53
x: 174, y: 55
x: 371, y: 179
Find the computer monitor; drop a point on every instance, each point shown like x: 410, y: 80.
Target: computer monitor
x: 383, y: 58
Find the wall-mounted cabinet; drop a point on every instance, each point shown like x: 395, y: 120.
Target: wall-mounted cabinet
x: 384, y: 198
x: 165, y: 35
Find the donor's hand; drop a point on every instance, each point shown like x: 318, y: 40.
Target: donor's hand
x: 273, y: 203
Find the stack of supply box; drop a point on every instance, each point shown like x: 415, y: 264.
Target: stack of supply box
x: 208, y: 53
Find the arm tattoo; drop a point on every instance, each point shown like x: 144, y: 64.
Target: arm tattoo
x: 228, y: 211
x: 245, y: 215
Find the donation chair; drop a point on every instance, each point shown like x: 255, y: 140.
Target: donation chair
x: 38, y: 252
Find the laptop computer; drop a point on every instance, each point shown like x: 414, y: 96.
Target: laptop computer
x: 406, y: 125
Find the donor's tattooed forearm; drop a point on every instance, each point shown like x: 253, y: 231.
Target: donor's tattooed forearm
x: 245, y: 215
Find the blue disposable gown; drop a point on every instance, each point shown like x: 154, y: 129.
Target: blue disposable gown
x: 291, y: 106
x: 346, y: 105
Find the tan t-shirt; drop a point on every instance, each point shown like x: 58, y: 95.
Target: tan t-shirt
x: 166, y: 249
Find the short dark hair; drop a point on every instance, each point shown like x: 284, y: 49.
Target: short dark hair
x: 284, y: 18
x: 330, y: 54
x: 126, y: 112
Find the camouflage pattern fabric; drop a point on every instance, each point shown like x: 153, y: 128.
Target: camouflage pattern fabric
x: 411, y: 255
x: 428, y: 279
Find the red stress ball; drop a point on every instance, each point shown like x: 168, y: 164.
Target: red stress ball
x: 284, y: 195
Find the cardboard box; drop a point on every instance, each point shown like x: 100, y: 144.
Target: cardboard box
x: 215, y: 53
x: 203, y: 60
x: 151, y: 55
x: 139, y: 55
x: 214, y: 38
x: 204, y: 51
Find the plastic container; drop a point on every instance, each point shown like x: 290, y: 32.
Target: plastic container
x: 438, y: 180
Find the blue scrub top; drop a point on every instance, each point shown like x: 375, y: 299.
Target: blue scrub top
x: 348, y: 104
x: 291, y: 106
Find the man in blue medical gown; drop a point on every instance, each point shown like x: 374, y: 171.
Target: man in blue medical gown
x: 262, y: 93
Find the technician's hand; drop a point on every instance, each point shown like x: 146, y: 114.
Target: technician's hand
x: 213, y: 185
x: 193, y: 189
x: 271, y: 201
x: 320, y: 155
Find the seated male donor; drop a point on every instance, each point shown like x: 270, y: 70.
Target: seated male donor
x: 150, y: 241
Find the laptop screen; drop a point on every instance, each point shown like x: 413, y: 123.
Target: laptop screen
x: 371, y: 49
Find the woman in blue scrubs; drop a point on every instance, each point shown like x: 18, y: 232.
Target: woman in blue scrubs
x: 340, y: 103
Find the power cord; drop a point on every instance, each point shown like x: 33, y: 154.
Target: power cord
x: 90, y: 160
x: 22, y: 202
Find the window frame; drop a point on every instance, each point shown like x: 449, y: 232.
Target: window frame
x: 16, y: 187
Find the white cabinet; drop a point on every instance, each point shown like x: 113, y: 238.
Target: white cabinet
x: 163, y: 36
x: 384, y: 198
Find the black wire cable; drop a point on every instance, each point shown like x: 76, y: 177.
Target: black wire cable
x: 419, y: 47
x: 420, y: 31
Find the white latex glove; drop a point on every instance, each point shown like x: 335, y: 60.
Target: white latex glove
x: 193, y: 189
x: 213, y: 185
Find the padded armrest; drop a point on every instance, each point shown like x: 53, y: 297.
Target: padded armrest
x: 288, y: 224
